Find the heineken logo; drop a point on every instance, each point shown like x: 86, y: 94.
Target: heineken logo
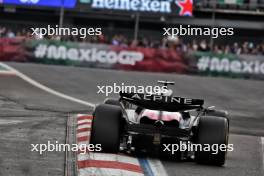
x: 178, y: 7
x: 134, y: 5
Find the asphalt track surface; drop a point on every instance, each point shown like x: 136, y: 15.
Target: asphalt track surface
x: 30, y: 115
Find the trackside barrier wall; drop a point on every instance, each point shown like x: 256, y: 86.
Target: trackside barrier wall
x: 131, y: 58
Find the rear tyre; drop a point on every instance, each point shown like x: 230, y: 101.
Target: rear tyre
x: 212, y: 131
x: 106, y: 127
x: 218, y: 113
x: 111, y: 101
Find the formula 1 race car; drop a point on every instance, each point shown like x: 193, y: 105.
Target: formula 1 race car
x: 160, y: 123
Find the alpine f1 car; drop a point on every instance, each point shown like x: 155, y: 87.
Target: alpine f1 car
x: 152, y: 122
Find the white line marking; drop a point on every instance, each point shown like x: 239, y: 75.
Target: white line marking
x: 262, y: 144
x: 45, y: 88
x: 82, y: 134
x: 93, y: 171
x: 9, y: 122
x: 157, y: 167
x: 84, y: 121
x: 84, y: 126
x: 80, y: 115
x: 7, y: 72
x: 108, y: 157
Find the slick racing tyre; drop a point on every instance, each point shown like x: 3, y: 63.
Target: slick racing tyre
x: 106, y: 127
x: 218, y: 113
x: 212, y: 131
x: 111, y: 101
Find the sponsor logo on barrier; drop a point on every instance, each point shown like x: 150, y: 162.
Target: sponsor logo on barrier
x: 134, y: 5
x: 179, y: 7
x: 89, y: 55
x: 206, y: 63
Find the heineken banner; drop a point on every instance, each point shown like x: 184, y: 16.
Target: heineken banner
x: 131, y: 58
x: 172, y: 7
x: 166, y: 7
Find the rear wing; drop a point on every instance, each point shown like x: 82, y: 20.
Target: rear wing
x: 162, y: 103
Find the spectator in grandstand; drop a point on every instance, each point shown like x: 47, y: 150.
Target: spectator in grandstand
x: 10, y: 34
x: 203, y: 46
x: 194, y: 45
x: 245, y: 48
x: 175, y: 43
x: 119, y: 40
x: 169, y: 42
x: 2, y: 31
x: 235, y: 49
x: 260, y: 48
x: 217, y: 49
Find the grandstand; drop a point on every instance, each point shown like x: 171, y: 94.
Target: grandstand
x: 124, y: 26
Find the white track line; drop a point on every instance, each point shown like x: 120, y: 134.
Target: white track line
x: 157, y: 167
x: 10, y: 122
x: 82, y: 134
x: 262, y: 144
x: 92, y: 171
x: 84, y: 121
x: 108, y: 157
x: 84, y: 126
x: 45, y: 88
x: 6, y: 72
